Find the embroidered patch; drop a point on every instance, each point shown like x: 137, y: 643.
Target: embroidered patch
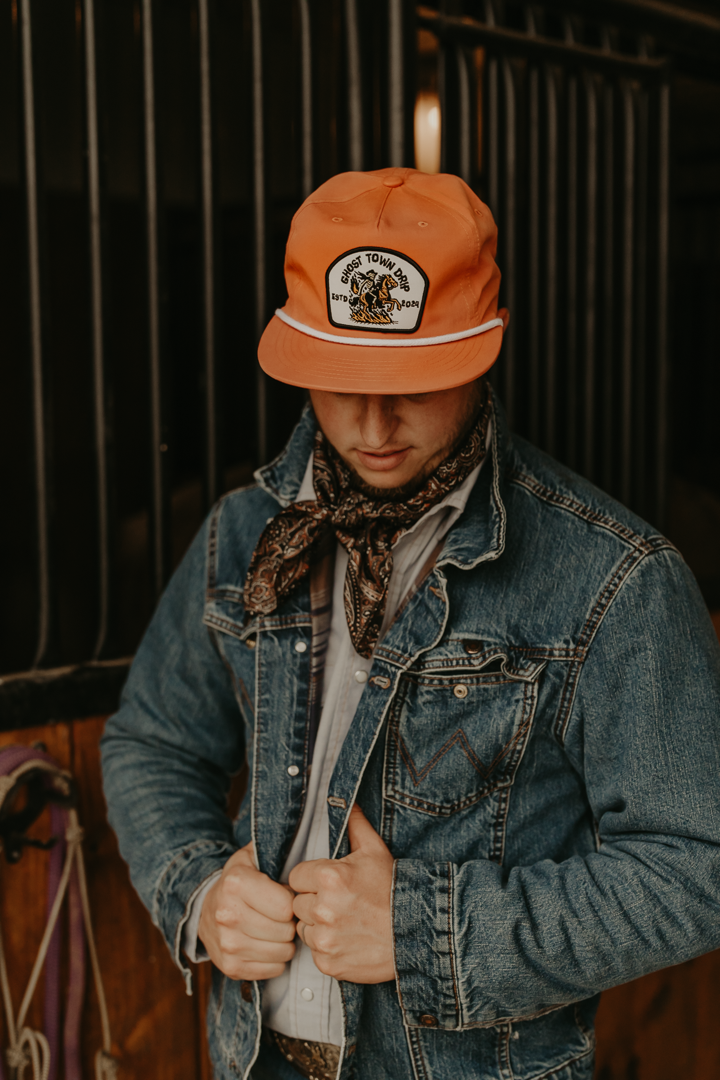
x: 376, y: 289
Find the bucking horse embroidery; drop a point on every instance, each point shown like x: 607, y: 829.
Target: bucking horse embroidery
x: 371, y: 301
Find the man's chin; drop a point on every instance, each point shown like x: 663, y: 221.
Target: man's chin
x: 392, y: 489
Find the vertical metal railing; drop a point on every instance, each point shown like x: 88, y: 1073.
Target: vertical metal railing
x: 662, y: 349
x: 575, y: 166
x: 355, y: 117
x: 260, y: 215
x: 158, y: 446
x: 42, y: 494
x: 212, y: 465
x: 590, y: 275
x: 306, y: 69
x: 100, y: 415
x: 567, y: 151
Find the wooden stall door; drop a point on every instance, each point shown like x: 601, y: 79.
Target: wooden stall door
x: 155, y: 1025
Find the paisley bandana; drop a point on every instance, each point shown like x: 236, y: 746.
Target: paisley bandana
x: 367, y: 528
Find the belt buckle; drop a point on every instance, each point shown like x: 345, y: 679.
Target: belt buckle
x: 313, y: 1060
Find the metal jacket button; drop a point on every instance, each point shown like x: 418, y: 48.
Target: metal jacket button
x: 300, y: 646
x: 293, y: 770
x: 473, y: 647
x: 428, y: 1021
x: 460, y: 690
x: 246, y: 990
x: 251, y: 642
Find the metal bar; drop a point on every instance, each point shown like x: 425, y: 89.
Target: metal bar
x: 661, y: 349
x: 493, y: 123
x: 571, y: 404
x: 642, y: 492
x: 608, y: 289
x: 465, y: 114
x: 30, y: 698
x: 158, y: 447
x: 307, y: 97
x: 551, y: 264
x: 396, y: 84
x: 466, y: 31
x: 260, y: 207
x: 491, y: 135
x: 510, y: 229
x: 533, y: 239
x: 356, y: 149
x: 591, y: 194
x: 42, y: 511
x: 681, y: 27
x: 98, y: 352
x: 628, y: 285
x: 212, y: 468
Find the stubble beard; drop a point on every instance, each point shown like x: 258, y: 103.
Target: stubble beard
x: 405, y: 491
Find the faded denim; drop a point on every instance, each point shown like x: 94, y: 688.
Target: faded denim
x: 538, y: 743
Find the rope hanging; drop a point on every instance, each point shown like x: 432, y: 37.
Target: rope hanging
x: 47, y: 782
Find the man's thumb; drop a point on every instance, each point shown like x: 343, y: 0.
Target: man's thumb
x: 361, y: 834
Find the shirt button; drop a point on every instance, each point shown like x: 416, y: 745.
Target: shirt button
x: 460, y: 690
x: 307, y: 994
x: 293, y: 770
x: 361, y: 676
x: 428, y: 1021
x: 300, y: 646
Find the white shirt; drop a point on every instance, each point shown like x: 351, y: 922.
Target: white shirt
x: 302, y: 1002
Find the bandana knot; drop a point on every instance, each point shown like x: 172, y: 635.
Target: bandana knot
x: 368, y: 528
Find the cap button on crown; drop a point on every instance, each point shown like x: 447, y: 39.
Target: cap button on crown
x: 393, y: 181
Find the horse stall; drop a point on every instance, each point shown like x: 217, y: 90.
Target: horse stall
x: 152, y: 153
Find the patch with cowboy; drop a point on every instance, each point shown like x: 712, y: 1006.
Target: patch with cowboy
x: 376, y: 288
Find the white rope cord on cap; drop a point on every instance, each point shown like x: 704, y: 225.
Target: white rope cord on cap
x: 336, y: 339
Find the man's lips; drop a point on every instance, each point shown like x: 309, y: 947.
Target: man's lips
x: 382, y: 462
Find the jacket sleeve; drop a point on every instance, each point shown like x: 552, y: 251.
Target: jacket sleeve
x: 476, y: 943
x: 169, y: 752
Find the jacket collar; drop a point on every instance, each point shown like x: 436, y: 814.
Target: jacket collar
x: 478, y: 535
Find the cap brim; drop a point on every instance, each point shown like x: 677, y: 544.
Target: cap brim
x: 291, y: 356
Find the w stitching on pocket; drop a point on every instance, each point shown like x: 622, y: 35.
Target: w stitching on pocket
x: 391, y: 786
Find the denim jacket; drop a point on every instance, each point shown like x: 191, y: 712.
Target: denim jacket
x: 538, y: 744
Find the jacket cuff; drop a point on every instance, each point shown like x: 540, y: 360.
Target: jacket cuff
x: 425, y: 963
x: 181, y: 882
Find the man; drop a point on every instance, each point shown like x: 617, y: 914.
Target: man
x: 478, y: 699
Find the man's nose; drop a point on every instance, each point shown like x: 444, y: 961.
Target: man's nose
x: 378, y: 421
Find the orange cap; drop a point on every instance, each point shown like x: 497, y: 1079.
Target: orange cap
x: 392, y: 287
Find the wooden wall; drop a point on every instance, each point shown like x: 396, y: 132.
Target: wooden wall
x: 661, y: 1027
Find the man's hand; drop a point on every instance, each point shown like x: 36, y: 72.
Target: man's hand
x: 343, y: 907
x: 247, y: 923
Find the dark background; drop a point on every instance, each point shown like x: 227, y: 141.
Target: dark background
x: 693, y: 519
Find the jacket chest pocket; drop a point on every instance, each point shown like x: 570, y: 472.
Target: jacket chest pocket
x: 455, y: 739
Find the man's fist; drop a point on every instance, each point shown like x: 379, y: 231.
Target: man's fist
x: 247, y: 923
x: 343, y: 907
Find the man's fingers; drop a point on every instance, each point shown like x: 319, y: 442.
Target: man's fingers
x: 257, y: 891
x: 235, y: 946
x: 255, y: 924
x: 303, y: 906
x: 305, y: 877
x: 361, y: 834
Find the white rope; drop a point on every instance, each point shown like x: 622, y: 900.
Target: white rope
x: 386, y: 343
x: 45, y: 943
x: 31, y: 1047
x: 100, y: 989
